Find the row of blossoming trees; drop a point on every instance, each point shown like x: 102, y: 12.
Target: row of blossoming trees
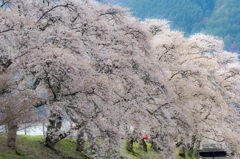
x: 97, y: 66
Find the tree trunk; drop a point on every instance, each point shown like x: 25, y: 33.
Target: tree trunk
x: 51, y: 138
x: 154, y: 135
x: 49, y: 142
x: 196, y: 148
x: 179, y: 141
x: 55, y: 124
x: 191, y: 147
x: 154, y: 146
x: 54, y: 134
x: 12, y: 134
x: 80, y: 141
x: 51, y: 129
x: 182, y: 151
x: 143, y: 145
x: 130, y: 144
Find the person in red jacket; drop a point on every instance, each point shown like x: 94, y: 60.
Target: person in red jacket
x: 145, y: 137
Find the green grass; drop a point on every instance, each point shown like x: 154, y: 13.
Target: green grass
x: 139, y: 153
x: 186, y: 155
x: 31, y: 147
x: 151, y: 154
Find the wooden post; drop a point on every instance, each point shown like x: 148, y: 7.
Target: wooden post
x: 25, y: 129
x: 43, y: 128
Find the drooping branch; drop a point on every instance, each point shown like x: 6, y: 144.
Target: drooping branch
x: 7, y: 30
x: 159, y: 107
x: 68, y: 5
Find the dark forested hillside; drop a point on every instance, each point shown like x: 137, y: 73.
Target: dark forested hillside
x: 185, y: 15
x: 216, y: 17
x: 225, y: 22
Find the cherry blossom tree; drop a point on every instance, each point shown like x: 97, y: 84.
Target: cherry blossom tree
x: 16, y: 105
x: 87, y: 60
x: 202, y: 77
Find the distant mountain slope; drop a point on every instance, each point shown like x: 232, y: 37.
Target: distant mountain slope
x: 225, y: 22
x: 216, y: 17
x: 185, y: 15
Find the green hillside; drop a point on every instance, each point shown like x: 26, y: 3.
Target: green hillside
x: 225, y: 22
x: 31, y: 147
x: 185, y: 15
x: 216, y: 17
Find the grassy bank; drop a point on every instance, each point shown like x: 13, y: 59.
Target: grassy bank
x: 31, y: 147
x: 138, y: 153
x: 186, y: 156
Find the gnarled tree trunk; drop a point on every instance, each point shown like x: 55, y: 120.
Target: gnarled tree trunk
x: 55, y: 124
x: 143, y: 145
x: 12, y: 134
x: 80, y: 141
x: 129, y: 145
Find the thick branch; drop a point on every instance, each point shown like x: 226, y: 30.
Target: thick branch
x: 6, y: 30
x: 57, y: 6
